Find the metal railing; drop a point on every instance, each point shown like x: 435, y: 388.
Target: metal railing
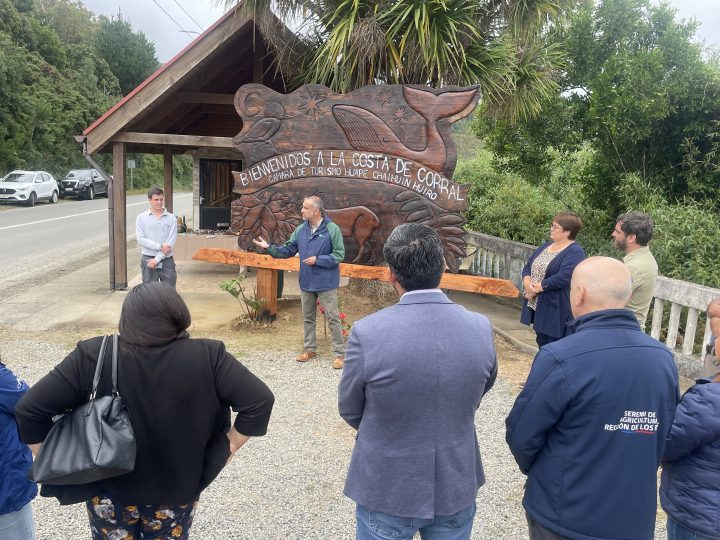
x: 687, y: 302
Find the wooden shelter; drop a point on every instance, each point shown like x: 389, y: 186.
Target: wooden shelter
x: 185, y: 107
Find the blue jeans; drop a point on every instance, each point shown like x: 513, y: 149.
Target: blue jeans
x: 380, y: 526
x: 675, y: 531
x: 18, y: 525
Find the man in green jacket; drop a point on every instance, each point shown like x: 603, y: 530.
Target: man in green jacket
x: 319, y: 242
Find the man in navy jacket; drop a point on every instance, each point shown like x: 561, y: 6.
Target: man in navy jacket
x: 320, y: 244
x: 589, y: 427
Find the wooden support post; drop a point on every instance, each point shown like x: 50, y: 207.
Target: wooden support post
x: 168, y: 179
x: 196, y: 189
x: 267, y: 280
x: 119, y: 254
x: 111, y: 230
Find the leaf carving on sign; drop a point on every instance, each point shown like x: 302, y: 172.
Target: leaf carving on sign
x: 267, y: 214
x: 448, y: 224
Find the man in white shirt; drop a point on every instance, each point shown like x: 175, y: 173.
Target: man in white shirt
x: 156, y: 232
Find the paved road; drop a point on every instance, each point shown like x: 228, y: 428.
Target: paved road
x: 35, y: 241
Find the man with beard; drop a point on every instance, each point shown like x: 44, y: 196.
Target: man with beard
x: 633, y: 231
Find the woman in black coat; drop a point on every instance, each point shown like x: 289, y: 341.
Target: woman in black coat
x: 178, y: 392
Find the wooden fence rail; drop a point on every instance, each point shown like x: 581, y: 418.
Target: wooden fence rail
x: 498, y: 258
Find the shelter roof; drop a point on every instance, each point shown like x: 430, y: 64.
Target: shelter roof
x: 188, y: 101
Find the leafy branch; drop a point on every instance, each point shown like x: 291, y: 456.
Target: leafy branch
x: 252, y: 306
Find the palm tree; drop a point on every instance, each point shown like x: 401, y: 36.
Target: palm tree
x: 346, y: 44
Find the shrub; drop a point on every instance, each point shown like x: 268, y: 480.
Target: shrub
x: 502, y: 204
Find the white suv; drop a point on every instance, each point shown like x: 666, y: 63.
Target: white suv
x: 29, y: 186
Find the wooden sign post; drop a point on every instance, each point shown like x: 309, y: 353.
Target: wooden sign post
x: 378, y: 157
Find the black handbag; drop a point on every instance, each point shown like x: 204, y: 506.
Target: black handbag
x: 92, y: 442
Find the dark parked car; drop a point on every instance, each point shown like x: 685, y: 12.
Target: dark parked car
x: 83, y: 183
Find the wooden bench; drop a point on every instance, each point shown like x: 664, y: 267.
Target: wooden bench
x: 267, y: 275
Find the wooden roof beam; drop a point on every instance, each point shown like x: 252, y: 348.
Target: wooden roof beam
x: 162, y: 139
x: 205, y: 98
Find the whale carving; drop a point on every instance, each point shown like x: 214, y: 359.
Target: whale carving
x: 367, y: 132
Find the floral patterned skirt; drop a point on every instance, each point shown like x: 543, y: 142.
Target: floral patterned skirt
x: 162, y: 522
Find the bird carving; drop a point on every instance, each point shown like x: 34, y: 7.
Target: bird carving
x: 367, y: 132
x: 263, y: 130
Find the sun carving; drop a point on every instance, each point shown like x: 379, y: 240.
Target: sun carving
x: 384, y: 97
x: 311, y: 105
x: 400, y: 114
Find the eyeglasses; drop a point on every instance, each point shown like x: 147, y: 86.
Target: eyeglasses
x: 555, y: 227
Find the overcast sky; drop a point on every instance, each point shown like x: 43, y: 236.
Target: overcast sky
x: 159, y: 27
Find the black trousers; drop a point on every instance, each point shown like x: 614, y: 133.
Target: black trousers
x: 538, y: 532
x: 543, y: 339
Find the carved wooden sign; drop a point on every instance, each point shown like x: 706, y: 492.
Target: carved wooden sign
x: 378, y: 157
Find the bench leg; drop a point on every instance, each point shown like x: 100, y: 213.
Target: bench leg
x: 267, y: 283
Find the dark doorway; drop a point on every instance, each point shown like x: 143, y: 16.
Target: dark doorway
x: 216, y: 184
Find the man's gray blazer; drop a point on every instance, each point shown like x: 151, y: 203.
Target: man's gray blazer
x: 414, y: 376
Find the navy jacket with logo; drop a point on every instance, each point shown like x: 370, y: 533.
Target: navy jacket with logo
x: 326, y: 243
x: 589, y: 429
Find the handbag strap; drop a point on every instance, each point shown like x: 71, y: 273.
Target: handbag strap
x: 114, y: 366
x: 98, y: 368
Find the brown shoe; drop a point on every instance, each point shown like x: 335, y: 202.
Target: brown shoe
x: 339, y: 363
x: 307, y: 355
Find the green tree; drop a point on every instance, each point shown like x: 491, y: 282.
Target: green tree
x: 346, y: 44
x: 23, y: 6
x: 639, y: 91
x: 11, y: 22
x: 71, y: 20
x: 129, y: 54
x: 47, y: 43
x: 14, y: 109
x: 49, y: 91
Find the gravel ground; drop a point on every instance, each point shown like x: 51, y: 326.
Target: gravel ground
x: 288, y: 485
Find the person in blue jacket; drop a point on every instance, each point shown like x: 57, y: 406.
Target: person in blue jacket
x: 690, y: 484
x: 546, y: 280
x: 589, y: 427
x: 320, y: 244
x: 16, y: 490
